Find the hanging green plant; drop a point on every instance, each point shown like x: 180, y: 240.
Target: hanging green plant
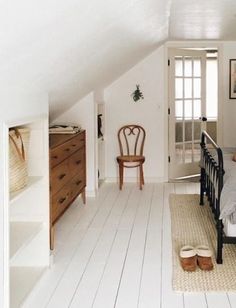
x: 137, y: 94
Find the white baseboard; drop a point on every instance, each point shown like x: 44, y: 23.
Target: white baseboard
x: 90, y: 193
x: 135, y: 180
x: 93, y: 193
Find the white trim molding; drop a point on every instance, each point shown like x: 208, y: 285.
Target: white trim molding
x: 135, y: 180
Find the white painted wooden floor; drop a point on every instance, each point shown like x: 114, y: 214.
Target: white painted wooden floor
x: 116, y: 252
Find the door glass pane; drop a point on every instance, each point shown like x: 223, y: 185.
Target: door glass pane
x: 188, y: 67
x: 179, y: 153
x: 197, y: 88
x: 196, y: 152
x: 197, y: 130
x: 188, y: 152
x: 178, y: 132
x: 188, y: 131
x: 178, y: 67
x: 196, y: 108
x: 197, y: 67
x: 187, y: 109
x: 178, y: 88
x: 179, y: 110
x: 188, y: 88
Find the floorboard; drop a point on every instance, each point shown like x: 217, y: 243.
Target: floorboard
x: 67, y: 286
x: 116, y: 251
x: 232, y: 299
x: 63, y: 252
x: 195, y: 300
x: 150, y: 287
x: 133, y: 265
x: 218, y: 300
x: 96, y: 266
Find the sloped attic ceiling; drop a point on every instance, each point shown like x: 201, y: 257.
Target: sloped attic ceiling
x: 70, y: 48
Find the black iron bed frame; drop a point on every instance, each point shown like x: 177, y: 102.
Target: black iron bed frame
x: 211, y: 184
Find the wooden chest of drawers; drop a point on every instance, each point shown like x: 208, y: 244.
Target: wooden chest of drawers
x: 67, y: 173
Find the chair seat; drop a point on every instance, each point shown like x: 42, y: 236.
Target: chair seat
x: 131, y: 159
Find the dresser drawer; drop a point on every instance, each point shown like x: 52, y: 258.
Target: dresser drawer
x: 60, y: 201
x: 76, y: 161
x: 67, y: 173
x: 77, y: 183
x: 59, y: 176
x: 64, y: 150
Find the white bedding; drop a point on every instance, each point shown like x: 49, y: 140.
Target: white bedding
x: 229, y: 228
x: 228, y: 194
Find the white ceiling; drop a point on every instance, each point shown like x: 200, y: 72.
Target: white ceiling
x: 203, y: 20
x: 69, y: 48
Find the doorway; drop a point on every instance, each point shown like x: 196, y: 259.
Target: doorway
x: 193, y: 101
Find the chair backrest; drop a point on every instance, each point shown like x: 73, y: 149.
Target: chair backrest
x: 131, y: 139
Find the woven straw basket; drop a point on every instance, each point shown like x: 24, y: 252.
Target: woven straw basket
x: 18, y: 147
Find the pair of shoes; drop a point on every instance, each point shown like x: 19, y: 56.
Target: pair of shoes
x: 190, y: 257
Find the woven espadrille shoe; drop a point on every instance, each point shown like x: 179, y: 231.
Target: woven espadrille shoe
x: 204, y: 259
x: 188, y: 258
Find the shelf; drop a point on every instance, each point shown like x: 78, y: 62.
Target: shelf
x: 21, y: 233
x: 32, y: 180
x: 22, y: 281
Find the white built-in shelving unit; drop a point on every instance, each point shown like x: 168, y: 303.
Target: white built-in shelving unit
x: 29, y: 217
x: 24, y: 215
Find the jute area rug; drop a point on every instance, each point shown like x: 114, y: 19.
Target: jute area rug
x: 193, y: 224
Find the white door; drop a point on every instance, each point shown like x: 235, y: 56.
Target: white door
x: 187, y: 110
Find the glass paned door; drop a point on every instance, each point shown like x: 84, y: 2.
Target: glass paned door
x: 187, y: 82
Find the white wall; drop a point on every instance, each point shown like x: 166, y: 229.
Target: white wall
x: 84, y: 113
x: 120, y: 109
x: 17, y: 104
x: 228, y: 105
x: 149, y: 113
x: 3, y: 218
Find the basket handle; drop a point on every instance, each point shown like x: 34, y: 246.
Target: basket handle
x: 21, y: 152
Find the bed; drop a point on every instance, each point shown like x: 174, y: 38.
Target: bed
x: 218, y: 183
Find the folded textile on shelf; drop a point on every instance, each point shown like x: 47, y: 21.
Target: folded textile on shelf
x: 64, y: 129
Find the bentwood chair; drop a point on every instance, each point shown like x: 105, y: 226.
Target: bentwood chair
x: 131, y: 142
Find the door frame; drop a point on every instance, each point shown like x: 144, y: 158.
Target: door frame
x: 193, y: 44
x: 185, y: 168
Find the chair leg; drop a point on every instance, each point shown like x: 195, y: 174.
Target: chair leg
x: 121, y: 172
x: 140, y: 177
x: 142, y: 174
